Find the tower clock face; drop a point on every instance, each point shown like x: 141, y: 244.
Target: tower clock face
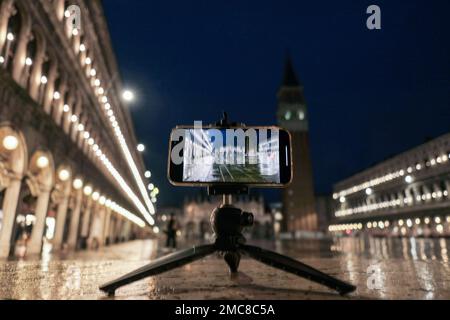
x: 293, y: 116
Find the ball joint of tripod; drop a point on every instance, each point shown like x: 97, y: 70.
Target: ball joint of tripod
x: 229, y: 221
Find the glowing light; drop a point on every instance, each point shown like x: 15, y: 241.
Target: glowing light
x: 86, y: 135
x: 439, y: 228
x: 75, y: 31
x: 66, y: 108
x: 151, y: 186
x: 56, y: 95
x: 409, y: 223
x: 10, y: 143
x: 140, y: 147
x: 156, y: 230
x: 44, y: 79
x: 87, y: 190
x: 2, y: 60
x: 369, y: 191
x: 64, y: 174
x: 102, y: 200
x: 10, y: 36
x: 80, y: 127
x: 82, y: 47
x: 97, y: 82
x: 95, y: 195
x: 28, y: 61
x: 73, y: 118
x: 426, y: 220
x: 67, y: 13
x: 93, y: 72
x: 417, y: 221
x: 77, y: 184
x: 88, y: 61
x: 408, y: 179
x: 437, y: 220
x: 342, y: 199
x: 104, y: 99
x: 147, y: 174
x: 128, y: 95
x: 42, y: 162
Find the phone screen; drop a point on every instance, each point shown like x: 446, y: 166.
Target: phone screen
x: 241, y: 156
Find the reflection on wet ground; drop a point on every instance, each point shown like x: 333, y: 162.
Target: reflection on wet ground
x: 386, y: 268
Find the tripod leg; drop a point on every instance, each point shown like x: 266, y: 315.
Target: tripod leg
x: 287, y: 264
x: 232, y: 258
x: 160, y: 265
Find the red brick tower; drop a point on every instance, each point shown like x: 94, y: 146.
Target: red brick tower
x: 299, y: 211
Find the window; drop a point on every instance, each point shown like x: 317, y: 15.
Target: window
x: 288, y: 115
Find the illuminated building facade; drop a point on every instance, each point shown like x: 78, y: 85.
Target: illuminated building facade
x: 299, y: 213
x: 69, y: 168
x: 406, y: 195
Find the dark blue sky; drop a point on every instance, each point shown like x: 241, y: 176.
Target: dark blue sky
x: 370, y: 94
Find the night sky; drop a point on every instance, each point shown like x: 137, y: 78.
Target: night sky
x: 370, y: 94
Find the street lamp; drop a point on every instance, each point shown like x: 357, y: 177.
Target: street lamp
x: 140, y: 147
x: 64, y: 174
x: 42, y: 162
x: 77, y: 183
x: 10, y: 143
x: 128, y: 95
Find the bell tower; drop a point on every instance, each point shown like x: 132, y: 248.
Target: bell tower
x: 299, y: 212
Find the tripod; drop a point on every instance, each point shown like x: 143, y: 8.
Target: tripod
x: 227, y: 223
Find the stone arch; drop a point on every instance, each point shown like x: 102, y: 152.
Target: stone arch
x: 14, y: 160
x: 13, y: 164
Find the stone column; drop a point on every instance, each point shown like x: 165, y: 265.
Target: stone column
x: 9, y: 215
x: 5, y: 13
x: 50, y: 88
x: 106, y: 224
x: 86, y: 219
x: 21, y: 50
x: 59, y: 105
x: 61, y: 218
x: 59, y: 6
x: 35, y: 244
x: 74, y: 221
x: 66, y: 116
x: 36, y: 72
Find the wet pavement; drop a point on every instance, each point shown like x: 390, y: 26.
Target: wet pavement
x: 381, y: 268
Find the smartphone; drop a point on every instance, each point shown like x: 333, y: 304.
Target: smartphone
x: 253, y: 156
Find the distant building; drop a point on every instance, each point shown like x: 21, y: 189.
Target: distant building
x: 325, y: 211
x: 299, y: 212
x: 197, y: 211
x: 407, y: 194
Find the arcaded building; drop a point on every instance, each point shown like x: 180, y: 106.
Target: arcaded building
x: 405, y: 195
x: 70, y: 174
